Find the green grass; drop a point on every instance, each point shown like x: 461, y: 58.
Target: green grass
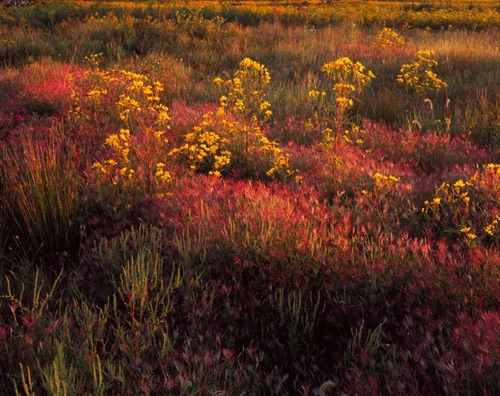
x: 42, y: 199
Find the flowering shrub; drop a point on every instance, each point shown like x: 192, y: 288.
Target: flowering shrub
x: 246, y: 96
x: 418, y: 77
x: 91, y: 91
x: 332, y: 111
x: 231, y: 139
x: 204, y: 149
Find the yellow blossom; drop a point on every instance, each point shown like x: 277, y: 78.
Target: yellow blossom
x: 459, y: 183
x: 314, y: 93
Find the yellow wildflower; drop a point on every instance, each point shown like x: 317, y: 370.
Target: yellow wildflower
x: 314, y: 94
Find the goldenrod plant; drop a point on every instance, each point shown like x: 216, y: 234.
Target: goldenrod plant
x: 349, y: 78
x: 139, y: 149
x: 419, y: 77
x: 389, y: 39
x: 231, y: 140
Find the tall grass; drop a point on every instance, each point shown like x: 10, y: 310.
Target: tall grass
x: 4, y: 229
x: 42, y: 198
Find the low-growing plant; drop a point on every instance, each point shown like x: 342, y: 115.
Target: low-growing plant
x: 468, y: 208
x: 345, y: 284
x: 366, y: 349
x: 86, y: 347
x: 298, y: 315
x: 29, y: 309
x: 4, y: 230
x: 141, y: 307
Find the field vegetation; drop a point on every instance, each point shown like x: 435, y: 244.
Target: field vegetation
x: 250, y: 198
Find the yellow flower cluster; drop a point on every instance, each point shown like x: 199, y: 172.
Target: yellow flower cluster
x: 354, y: 135
x: 281, y: 166
x: 316, y: 94
x: 138, y: 151
x: 142, y: 96
x: 388, y: 38
x: 89, y: 100
x: 493, y: 168
x: 492, y: 172
x: 349, y: 78
x: 419, y: 77
x: 126, y: 104
x: 129, y: 169
x: 449, y: 195
x: 490, y: 228
x: 384, y: 181
x: 469, y: 236
x: 255, y: 69
x: 452, y: 204
x: 246, y: 97
x: 232, y: 137
x: 204, y: 149
x: 120, y: 145
x: 162, y: 174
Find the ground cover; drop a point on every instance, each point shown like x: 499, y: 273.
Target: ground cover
x: 198, y: 203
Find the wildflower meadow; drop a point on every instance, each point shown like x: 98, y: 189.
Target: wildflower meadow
x: 250, y: 198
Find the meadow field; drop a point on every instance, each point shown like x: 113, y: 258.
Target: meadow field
x: 250, y: 198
